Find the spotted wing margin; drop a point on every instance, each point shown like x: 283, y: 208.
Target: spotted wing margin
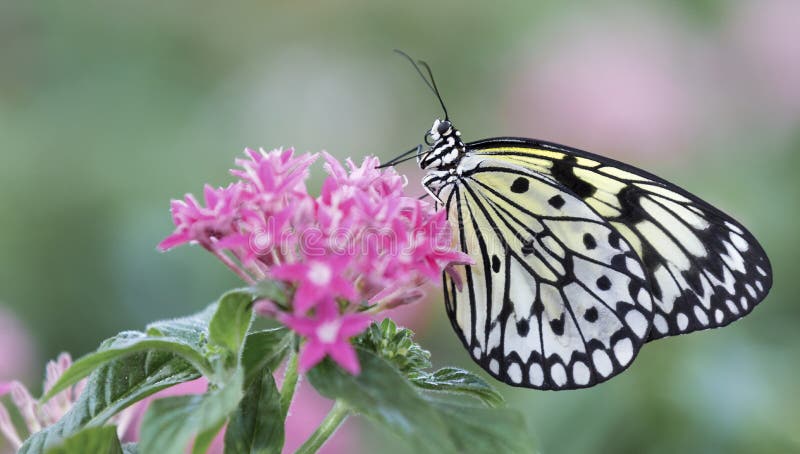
x: 705, y: 269
x: 556, y: 298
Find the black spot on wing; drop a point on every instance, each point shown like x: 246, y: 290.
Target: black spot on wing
x: 564, y: 172
x: 495, y: 264
x: 603, y: 283
x: 523, y: 327
x: 613, y: 239
x: 591, y: 314
x: 556, y: 201
x: 557, y: 325
x: 589, y: 241
x: 527, y: 249
x: 520, y: 185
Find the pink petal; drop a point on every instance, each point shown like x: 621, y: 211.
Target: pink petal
x: 333, y: 167
x: 300, y: 324
x: 176, y: 239
x: 311, y: 354
x: 345, y: 289
x: 327, y: 309
x: 455, y: 276
x: 408, y: 296
x: 5, y: 388
x: 7, y: 428
x: 306, y: 297
x: 344, y: 354
x: 211, y: 195
x: 353, y: 324
x: 266, y: 308
x: 289, y: 272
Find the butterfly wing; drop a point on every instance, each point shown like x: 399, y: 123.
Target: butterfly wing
x: 556, y: 298
x: 705, y: 270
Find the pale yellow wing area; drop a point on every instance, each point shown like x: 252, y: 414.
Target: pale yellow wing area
x: 556, y: 298
x: 704, y: 269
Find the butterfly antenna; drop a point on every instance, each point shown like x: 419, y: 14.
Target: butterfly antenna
x: 430, y: 83
x: 435, y: 88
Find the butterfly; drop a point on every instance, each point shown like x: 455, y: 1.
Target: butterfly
x: 579, y: 259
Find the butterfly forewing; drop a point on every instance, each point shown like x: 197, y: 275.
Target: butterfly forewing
x: 557, y: 298
x: 704, y: 269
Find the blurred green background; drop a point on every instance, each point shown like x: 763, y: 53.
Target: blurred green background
x: 109, y: 109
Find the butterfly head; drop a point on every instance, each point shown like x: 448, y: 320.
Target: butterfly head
x: 446, y: 148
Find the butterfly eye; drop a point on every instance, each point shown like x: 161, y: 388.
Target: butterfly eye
x: 443, y: 127
x: 428, y: 138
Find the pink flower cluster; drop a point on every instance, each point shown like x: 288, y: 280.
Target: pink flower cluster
x: 361, y: 244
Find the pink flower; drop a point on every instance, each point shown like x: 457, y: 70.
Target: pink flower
x: 328, y: 334
x: 318, y: 278
x: 204, y: 225
x: 274, y: 174
x: 362, y: 243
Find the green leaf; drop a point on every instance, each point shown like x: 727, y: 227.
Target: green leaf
x: 231, y: 320
x: 204, y: 439
x: 257, y: 425
x: 122, y: 345
x: 274, y: 291
x: 184, y: 336
x: 459, y: 381
x: 193, y: 330
x: 130, y: 448
x: 265, y: 349
x: 476, y: 429
x: 385, y: 396
x: 382, y: 394
x: 171, y: 423
x: 95, y: 440
x: 111, y: 388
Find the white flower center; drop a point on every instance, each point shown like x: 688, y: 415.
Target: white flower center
x: 328, y: 331
x: 320, y: 274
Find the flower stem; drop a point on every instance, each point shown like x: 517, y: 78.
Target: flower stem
x: 290, y: 377
x: 335, y: 418
x: 230, y: 264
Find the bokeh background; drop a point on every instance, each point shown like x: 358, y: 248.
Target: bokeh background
x: 109, y: 109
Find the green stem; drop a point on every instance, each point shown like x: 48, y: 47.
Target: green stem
x: 335, y: 418
x: 290, y: 377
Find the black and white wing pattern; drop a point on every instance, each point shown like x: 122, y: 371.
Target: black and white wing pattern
x: 557, y: 298
x: 704, y: 269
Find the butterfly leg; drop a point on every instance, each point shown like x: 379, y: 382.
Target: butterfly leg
x: 434, y: 181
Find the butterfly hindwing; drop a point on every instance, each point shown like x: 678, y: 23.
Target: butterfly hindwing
x: 556, y: 298
x: 704, y: 269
